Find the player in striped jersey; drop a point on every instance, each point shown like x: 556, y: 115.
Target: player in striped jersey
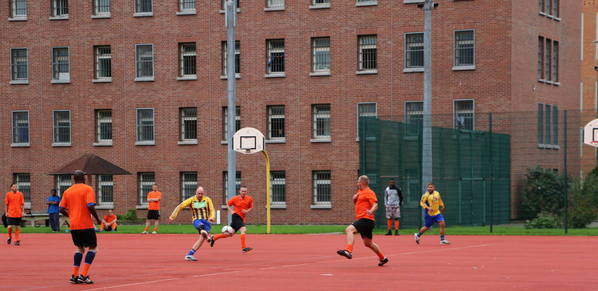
x: 202, y: 211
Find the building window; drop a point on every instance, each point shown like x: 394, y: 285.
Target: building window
x: 555, y: 61
x: 278, y: 182
x: 60, y: 64
x: 550, y: 8
x: 188, y: 184
x: 548, y: 60
x: 60, y: 8
x: 464, y: 48
x: 20, y: 127
x: 145, y: 182
x: 548, y: 126
x: 145, y: 125
x: 320, y: 48
x: 321, y: 121
x: 320, y: 3
x: 105, y: 189
x: 18, y: 9
x: 414, y: 117
x: 224, y: 58
x: 223, y: 4
x: 103, y: 63
x: 365, y: 110
x: 540, y: 124
x: 62, y: 127
x: 367, y: 53
x: 143, y: 6
x: 225, y: 122
x: 187, y: 60
x: 464, y: 112
x: 414, y: 50
x: 366, y: 2
x: 101, y: 7
x: 188, y: 124
x: 275, y: 55
x: 145, y: 61
x: 104, y: 126
x: 276, y: 122
x: 19, y: 64
x: 187, y: 6
x: 63, y: 182
x: 225, y: 184
x: 322, y: 188
x: 540, y: 73
x: 23, y: 181
x: 275, y: 4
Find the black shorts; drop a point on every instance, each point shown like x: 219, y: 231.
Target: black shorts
x: 13, y: 221
x: 365, y: 227
x: 84, y: 238
x: 153, y: 214
x: 237, y: 222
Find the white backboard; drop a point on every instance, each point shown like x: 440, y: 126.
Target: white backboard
x: 248, y: 140
x: 590, y: 133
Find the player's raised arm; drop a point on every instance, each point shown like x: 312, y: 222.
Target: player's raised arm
x: 179, y: 207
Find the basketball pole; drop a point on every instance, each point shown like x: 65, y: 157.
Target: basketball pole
x: 231, y: 23
x: 268, y: 191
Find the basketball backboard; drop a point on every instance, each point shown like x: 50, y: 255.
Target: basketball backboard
x: 590, y: 133
x: 248, y: 140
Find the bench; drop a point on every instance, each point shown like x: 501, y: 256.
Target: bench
x: 34, y: 217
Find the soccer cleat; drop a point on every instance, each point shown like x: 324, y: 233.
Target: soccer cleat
x: 389, y: 232
x: 9, y: 240
x: 84, y: 280
x: 245, y: 250
x: 345, y: 253
x: 190, y: 258
x: 417, y: 238
x: 74, y: 279
x: 382, y: 262
x: 18, y: 243
x: 154, y: 232
x: 211, y: 240
x: 144, y: 232
x: 397, y: 232
x: 445, y: 242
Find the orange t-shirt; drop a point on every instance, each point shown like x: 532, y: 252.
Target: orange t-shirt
x: 241, y: 204
x: 366, y: 198
x: 110, y: 218
x: 76, y: 199
x: 154, y: 195
x: 14, y: 202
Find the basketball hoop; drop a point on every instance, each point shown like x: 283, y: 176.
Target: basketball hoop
x: 248, y: 140
x: 590, y: 133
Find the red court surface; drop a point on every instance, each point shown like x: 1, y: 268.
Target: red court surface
x: 307, y: 262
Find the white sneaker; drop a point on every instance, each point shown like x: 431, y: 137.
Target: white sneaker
x: 416, y: 237
x: 190, y: 258
x: 445, y: 242
x: 154, y: 232
x: 144, y: 232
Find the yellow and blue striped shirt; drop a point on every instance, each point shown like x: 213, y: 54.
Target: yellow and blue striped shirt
x: 200, y: 209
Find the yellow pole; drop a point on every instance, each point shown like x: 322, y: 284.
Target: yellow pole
x: 268, y: 190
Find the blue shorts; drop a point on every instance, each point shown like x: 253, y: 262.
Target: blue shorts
x: 202, y: 224
x: 430, y: 220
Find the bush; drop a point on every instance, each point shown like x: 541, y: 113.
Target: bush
x: 544, y: 220
x: 130, y: 217
x: 543, y: 191
x: 583, y: 196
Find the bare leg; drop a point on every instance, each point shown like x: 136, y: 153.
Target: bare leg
x: 198, y: 243
x: 351, y: 231
x: 156, y: 223
x: 423, y: 229
x: 371, y: 245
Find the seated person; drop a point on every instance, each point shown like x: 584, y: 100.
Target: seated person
x: 110, y: 222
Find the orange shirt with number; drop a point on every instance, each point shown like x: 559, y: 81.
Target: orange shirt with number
x: 154, y: 205
x: 14, y: 202
x: 366, y: 198
x: 241, y: 204
x: 76, y: 200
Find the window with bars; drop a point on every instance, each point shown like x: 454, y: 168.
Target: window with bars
x: 276, y: 120
x: 104, y: 126
x: 225, y: 121
x: 367, y: 52
x: 224, y: 57
x: 19, y: 63
x: 63, y: 182
x: 550, y: 8
x: 320, y: 3
x: 145, y: 180
x: 555, y: 61
x: 60, y: 64
x: 145, y: 125
x: 103, y: 62
x: 321, y: 121
x: 548, y: 126
x: 278, y: 183
x: 548, y: 60
x: 414, y: 50
x: 223, y: 3
x: 464, y: 114
x: 60, y: 8
x: 62, y: 127
x: 187, y: 60
x: 188, y: 184
x: 105, y: 189
x: 187, y: 5
x: 20, y: 127
x: 464, y: 48
x: 143, y: 6
x: 188, y: 123
x: 322, y: 187
x: 365, y: 110
x: 275, y: 55
x: 414, y: 117
x: 275, y: 4
x: 225, y: 184
x: 367, y: 1
x: 101, y: 7
x: 23, y: 181
x: 320, y: 47
x: 18, y: 8
x: 541, y: 75
x: 144, y: 61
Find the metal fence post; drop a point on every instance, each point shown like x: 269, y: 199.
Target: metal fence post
x: 566, y: 218
x: 491, y: 164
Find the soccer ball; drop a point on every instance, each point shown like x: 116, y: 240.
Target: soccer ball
x: 227, y: 230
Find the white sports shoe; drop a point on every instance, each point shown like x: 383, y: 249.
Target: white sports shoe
x: 416, y: 237
x: 144, y: 232
x: 190, y: 258
x: 445, y: 242
x: 154, y: 232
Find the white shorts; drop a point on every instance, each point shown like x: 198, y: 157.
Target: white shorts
x: 393, y: 212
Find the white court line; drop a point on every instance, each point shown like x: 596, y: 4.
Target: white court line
x: 283, y: 266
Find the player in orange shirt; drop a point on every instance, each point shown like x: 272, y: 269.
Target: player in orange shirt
x: 78, y: 204
x: 366, y: 205
x: 14, y: 202
x: 243, y: 204
x: 153, y: 209
x: 109, y: 223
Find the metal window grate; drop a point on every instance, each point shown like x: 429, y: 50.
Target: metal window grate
x: 145, y: 61
x: 146, y: 180
x: 104, y: 125
x: 186, y: 5
x: 275, y: 56
x: 548, y: 59
x: 276, y: 120
x: 20, y: 127
x: 103, y: 62
x: 414, y: 117
x: 321, y: 121
x: 225, y: 184
x: 19, y: 8
x: 60, y: 64
x: 278, y: 182
x: 188, y: 123
x: 62, y: 126
x: 105, y: 189
x: 60, y: 8
x: 143, y: 6
x: 541, y: 58
x: 275, y: 3
x: 63, y: 182
x: 366, y: 110
x: 320, y: 2
x: 145, y: 124
x: 555, y: 125
x: 414, y: 50
x: 188, y: 56
x: 225, y: 121
x: 322, y: 187
x: 23, y: 181
x: 464, y: 114
x: 540, y: 124
x: 19, y: 64
x: 547, y: 124
x: 321, y: 54
x: 367, y: 52
x: 223, y: 4
x: 464, y: 48
x: 237, y: 57
x: 188, y: 184
x: 102, y: 7
x: 555, y: 61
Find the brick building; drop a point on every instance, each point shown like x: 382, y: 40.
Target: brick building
x: 140, y: 83
x: 589, y: 73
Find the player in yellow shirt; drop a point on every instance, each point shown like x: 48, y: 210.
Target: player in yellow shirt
x: 434, y: 206
x: 202, y: 211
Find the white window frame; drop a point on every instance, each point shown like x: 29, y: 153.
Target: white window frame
x: 14, y: 128
x: 97, y: 58
x: 457, y: 67
x: 186, y: 11
x: 314, y: 70
x: 66, y: 78
x: 55, y: 128
x: 224, y: 58
x: 408, y: 68
x: 408, y: 115
x: 368, y: 114
x: 455, y: 113
x: 182, y: 55
x: 314, y: 114
x: 315, y: 183
x: 13, y: 11
x: 271, y: 50
x: 361, y: 3
x: 143, y: 13
x: 189, y: 183
x: 103, y: 120
x: 55, y: 10
x: 275, y: 5
x: 65, y: 181
x: 20, y: 185
x: 319, y: 4
x: 182, y: 139
x: 142, y: 197
x: 361, y: 48
x: 14, y: 80
x: 103, y: 182
x: 222, y: 6
x: 137, y: 137
x: 97, y: 13
x: 137, y: 62
x: 271, y: 116
x: 278, y: 182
